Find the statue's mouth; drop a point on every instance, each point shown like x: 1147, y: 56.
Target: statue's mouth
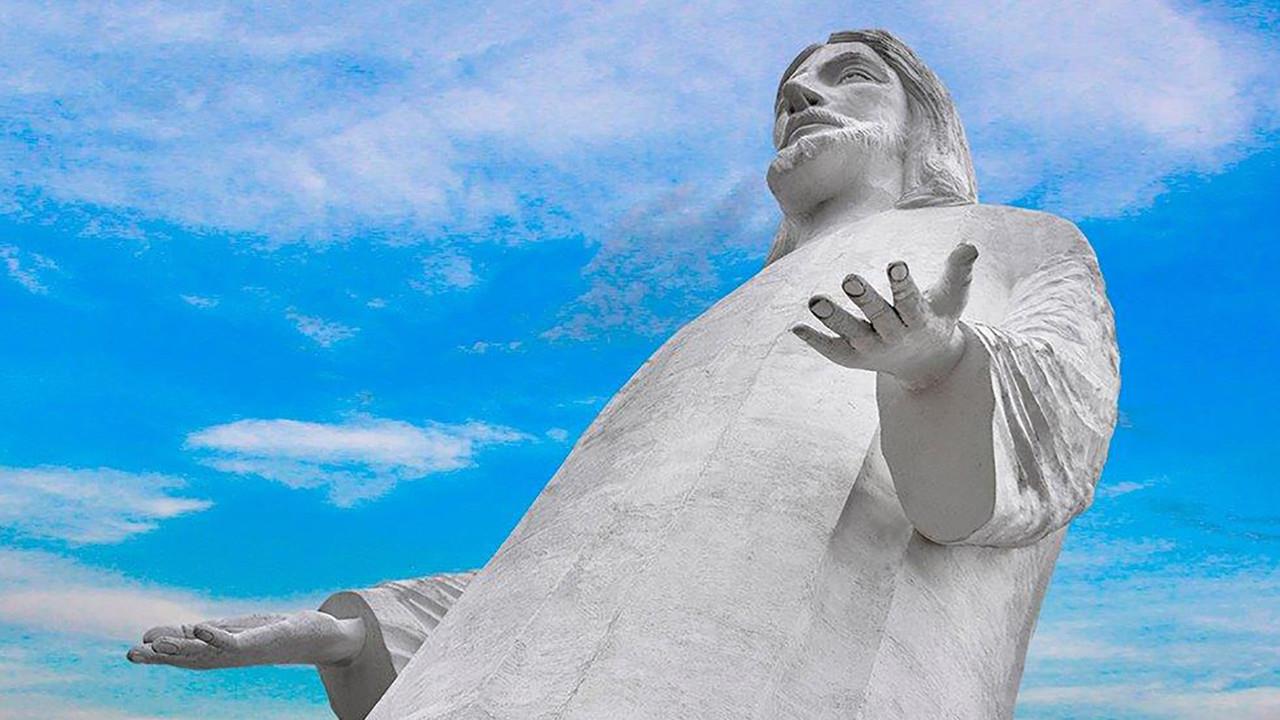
x: 807, y: 122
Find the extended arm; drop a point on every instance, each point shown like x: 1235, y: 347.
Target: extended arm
x: 359, y: 640
x: 303, y: 638
x: 1004, y: 445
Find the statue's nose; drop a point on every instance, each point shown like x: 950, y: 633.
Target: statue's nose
x: 797, y: 96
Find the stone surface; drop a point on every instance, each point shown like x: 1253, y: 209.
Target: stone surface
x: 725, y: 541
x: 829, y: 496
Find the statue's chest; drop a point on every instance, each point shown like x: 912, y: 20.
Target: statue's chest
x: 739, y: 363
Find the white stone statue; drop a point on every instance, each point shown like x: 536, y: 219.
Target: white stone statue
x: 855, y: 516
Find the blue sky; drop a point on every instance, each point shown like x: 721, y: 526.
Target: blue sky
x: 304, y: 298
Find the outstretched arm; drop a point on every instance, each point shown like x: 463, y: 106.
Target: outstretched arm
x: 359, y: 640
x: 303, y: 638
x: 994, y: 434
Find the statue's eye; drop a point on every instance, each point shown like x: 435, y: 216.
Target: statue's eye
x: 853, y: 74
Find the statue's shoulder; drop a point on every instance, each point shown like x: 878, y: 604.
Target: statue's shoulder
x: 1022, y: 238
x: 1033, y: 231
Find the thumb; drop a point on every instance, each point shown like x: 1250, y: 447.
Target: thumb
x: 215, y: 636
x: 951, y: 293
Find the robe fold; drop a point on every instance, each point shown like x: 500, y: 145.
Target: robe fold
x: 725, y: 541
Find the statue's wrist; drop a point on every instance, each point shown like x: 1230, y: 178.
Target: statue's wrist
x: 930, y: 374
x: 345, y: 644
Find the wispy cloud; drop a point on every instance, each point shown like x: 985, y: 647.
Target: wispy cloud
x: 41, y: 707
x: 48, y: 592
x: 447, y: 270
x: 325, y: 333
x: 200, y: 301
x: 1124, y: 487
x: 325, y: 123
x: 89, y: 505
x: 64, y: 629
x: 1089, y: 111
x: 26, y: 268
x: 352, y: 461
x: 1143, y: 627
x: 298, y: 119
x: 480, y: 347
x: 667, y: 258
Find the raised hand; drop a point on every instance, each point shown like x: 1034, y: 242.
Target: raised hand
x: 916, y: 339
x: 306, y: 638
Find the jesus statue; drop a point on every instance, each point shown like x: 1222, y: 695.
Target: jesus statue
x: 839, y: 493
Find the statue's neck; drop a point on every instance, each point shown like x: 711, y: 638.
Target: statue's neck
x: 832, y: 216
x: 874, y: 190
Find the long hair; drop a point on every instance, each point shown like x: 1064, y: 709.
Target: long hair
x: 939, y: 169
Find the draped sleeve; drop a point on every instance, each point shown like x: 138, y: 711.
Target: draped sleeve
x: 397, y: 617
x: 1015, y: 441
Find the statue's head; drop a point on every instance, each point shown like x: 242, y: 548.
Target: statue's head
x: 859, y: 103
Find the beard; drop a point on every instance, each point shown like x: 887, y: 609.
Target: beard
x: 853, y: 135
x: 813, y: 168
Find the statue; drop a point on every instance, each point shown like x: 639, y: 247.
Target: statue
x: 851, y: 516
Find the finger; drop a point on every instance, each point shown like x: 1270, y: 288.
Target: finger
x: 215, y: 636
x: 147, y: 655
x: 184, y: 647
x: 951, y: 293
x: 856, y: 332
x: 906, y: 296
x: 142, y: 655
x: 879, y: 313
x: 834, y: 349
x: 164, y: 631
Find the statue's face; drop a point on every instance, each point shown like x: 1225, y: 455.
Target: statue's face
x: 841, y: 85
x: 841, y: 123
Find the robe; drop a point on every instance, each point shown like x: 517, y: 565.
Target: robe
x: 731, y: 538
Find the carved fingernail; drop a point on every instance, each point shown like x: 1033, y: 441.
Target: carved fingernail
x: 822, y: 308
x: 853, y: 286
x: 165, y: 648
x: 898, y: 271
x: 203, y: 634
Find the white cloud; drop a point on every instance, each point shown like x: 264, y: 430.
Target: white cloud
x: 480, y: 347
x: 558, y: 434
x: 48, y: 592
x: 356, y: 460
x: 1109, y: 489
x: 89, y: 505
x: 418, y: 126
x: 1090, y: 108
x: 64, y: 629
x: 42, y: 707
x: 325, y: 333
x: 200, y: 301
x: 26, y: 268
x: 299, y: 121
x: 666, y: 258
x: 1150, y: 628
x: 447, y: 270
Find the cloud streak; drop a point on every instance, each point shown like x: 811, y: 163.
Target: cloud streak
x: 325, y: 333
x: 27, y: 268
x: 353, y: 461
x: 52, y: 593
x: 322, y: 122
x: 1141, y: 627
x: 320, y: 119
x: 89, y: 505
